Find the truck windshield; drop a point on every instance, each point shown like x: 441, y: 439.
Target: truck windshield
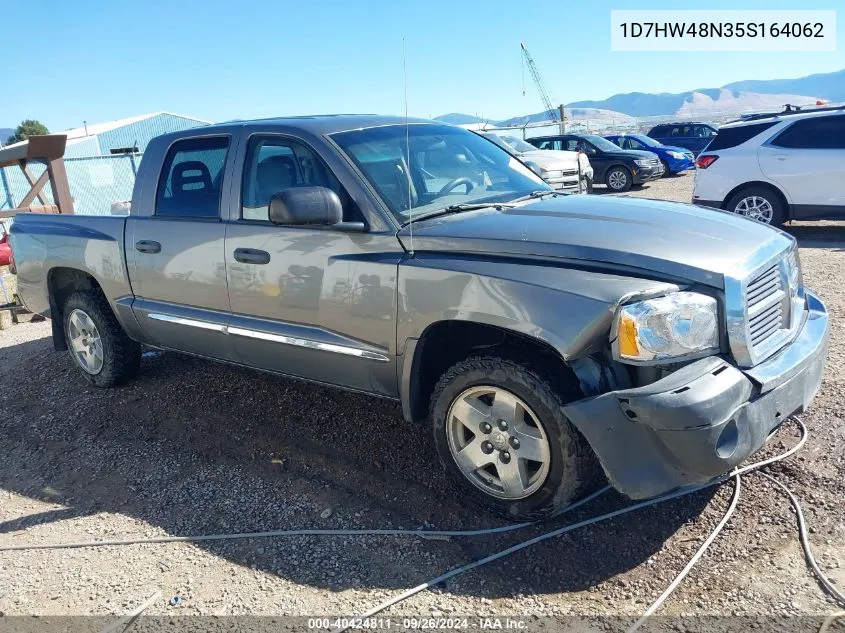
x: 448, y: 166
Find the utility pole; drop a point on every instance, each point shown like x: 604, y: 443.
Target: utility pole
x: 562, y: 119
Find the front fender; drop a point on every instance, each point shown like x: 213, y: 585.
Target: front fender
x: 568, y: 308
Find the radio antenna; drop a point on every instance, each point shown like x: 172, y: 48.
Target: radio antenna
x: 408, y: 149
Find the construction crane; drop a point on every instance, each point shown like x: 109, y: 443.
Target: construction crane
x: 555, y: 114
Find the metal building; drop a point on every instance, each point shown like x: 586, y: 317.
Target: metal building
x: 101, y: 160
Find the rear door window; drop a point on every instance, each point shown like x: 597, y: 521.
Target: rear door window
x: 631, y: 143
x: 734, y: 136
x: 825, y: 132
x: 575, y: 144
x: 190, y: 181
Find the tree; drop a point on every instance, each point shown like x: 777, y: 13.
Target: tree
x: 27, y: 128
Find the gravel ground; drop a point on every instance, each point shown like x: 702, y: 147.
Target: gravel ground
x: 192, y: 447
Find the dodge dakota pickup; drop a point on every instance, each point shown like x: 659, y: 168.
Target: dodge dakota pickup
x: 544, y: 337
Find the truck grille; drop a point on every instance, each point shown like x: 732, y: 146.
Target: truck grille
x: 764, y: 299
x: 764, y: 309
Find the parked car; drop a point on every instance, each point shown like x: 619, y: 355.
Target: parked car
x: 539, y: 335
x: 558, y: 169
x: 690, y: 135
x: 617, y: 168
x: 777, y: 167
x: 674, y: 159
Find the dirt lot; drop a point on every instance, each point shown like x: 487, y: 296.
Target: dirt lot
x: 193, y: 447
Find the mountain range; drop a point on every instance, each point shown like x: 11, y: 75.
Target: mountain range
x: 739, y: 96
x: 5, y: 133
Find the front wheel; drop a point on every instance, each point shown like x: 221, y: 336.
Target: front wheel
x: 501, y: 436
x: 97, y: 343
x: 666, y: 171
x: 619, y: 179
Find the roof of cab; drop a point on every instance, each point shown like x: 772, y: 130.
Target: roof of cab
x: 326, y: 123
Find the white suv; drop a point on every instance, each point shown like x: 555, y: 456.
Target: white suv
x: 777, y: 167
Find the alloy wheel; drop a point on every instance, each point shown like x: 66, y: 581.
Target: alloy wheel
x: 617, y: 179
x: 756, y: 208
x: 498, y: 443
x: 85, y: 341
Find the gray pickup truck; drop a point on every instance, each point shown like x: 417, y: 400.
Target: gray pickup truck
x: 545, y: 337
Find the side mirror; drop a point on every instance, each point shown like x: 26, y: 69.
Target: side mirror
x: 305, y: 206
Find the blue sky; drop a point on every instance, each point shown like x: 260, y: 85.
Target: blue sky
x: 97, y: 60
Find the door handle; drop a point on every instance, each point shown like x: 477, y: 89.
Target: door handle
x: 251, y: 256
x: 147, y: 246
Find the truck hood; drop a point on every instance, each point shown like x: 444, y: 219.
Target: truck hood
x: 669, y: 239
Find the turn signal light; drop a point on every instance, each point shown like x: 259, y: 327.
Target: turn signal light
x: 628, y: 338
x: 703, y: 162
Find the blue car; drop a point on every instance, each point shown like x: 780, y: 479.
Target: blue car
x: 674, y: 159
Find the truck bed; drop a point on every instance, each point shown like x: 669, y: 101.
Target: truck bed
x: 92, y: 244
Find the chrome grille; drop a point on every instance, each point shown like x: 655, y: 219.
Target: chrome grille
x: 764, y: 301
x: 765, y: 304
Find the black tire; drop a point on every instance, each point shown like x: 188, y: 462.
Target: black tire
x: 573, y: 467
x: 666, y: 171
x: 770, y: 195
x: 121, y: 355
x: 619, y: 169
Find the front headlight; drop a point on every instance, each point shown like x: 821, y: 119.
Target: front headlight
x: 555, y: 173
x: 642, y: 162
x: 677, y: 155
x: 671, y: 328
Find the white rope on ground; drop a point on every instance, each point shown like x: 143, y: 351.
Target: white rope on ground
x: 839, y: 597
x: 830, y: 620
x: 692, y: 561
x: 126, y: 621
x: 304, y: 532
x: 520, y: 546
x: 832, y: 591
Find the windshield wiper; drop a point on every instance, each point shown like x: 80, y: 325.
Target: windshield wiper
x: 536, y: 194
x: 458, y: 208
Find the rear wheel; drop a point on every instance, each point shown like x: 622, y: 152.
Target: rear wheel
x: 619, y: 179
x: 758, y: 203
x: 502, y: 438
x: 97, y: 344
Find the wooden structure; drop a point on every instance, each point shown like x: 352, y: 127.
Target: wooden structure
x: 48, y: 149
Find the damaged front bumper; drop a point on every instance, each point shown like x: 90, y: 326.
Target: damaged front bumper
x: 702, y: 420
